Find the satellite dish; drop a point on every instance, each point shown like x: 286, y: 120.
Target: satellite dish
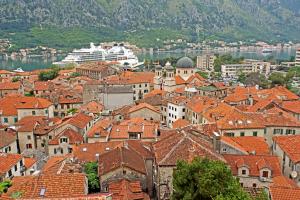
x: 294, y: 174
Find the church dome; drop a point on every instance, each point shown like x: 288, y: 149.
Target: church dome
x: 185, y: 62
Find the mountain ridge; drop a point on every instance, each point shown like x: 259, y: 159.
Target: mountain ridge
x: 196, y: 19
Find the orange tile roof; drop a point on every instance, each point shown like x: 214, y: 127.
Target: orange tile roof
x: 146, y: 128
x: 182, y: 146
x: 87, y: 152
x: 248, y: 144
x: 142, y: 106
x: 278, y: 92
x: 42, y: 85
x: 55, y: 185
x: 10, y: 86
x: 154, y: 93
x: 214, y: 113
x: 179, y: 80
x: 92, y: 107
x: 199, y: 104
x: 6, y: 138
x: 28, y: 123
x: 291, y: 106
x: 100, y: 129
x: 282, y: 181
x: 240, y: 94
x: 5, y: 72
x: 131, y: 78
x: 254, y: 163
x: 121, y: 157
x: 28, y: 162
x: 290, y: 145
x: 179, y: 123
x: 127, y: 190
x: 236, y: 119
x: 7, y: 161
x: 260, y: 105
x: 73, y: 136
x: 283, y: 193
x: 80, y: 120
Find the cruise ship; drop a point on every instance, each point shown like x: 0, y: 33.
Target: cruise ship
x: 96, y: 53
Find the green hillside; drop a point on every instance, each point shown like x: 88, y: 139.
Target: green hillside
x: 71, y: 23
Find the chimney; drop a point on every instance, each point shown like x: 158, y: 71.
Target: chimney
x: 217, y: 142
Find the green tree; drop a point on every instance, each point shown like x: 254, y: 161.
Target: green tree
x: 277, y: 78
x: 50, y: 74
x: 226, y: 59
x: 91, y: 170
x: 75, y: 74
x: 16, y: 79
x: 206, y: 179
x: 203, y: 74
x: 242, y: 77
x: 4, y: 186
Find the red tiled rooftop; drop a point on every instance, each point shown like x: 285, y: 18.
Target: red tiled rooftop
x: 254, y: 163
x: 7, y: 161
x: 10, y: 86
x: 73, y: 137
x: 179, y: 123
x: 290, y: 145
x: 248, y: 144
x: 283, y: 193
x: 6, y: 138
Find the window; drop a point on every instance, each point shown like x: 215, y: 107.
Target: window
x: 183, y: 109
x: 15, y: 119
x: 21, y: 163
x: 50, y: 137
x: 146, y: 85
x: 28, y: 137
x: 61, y: 151
x: 124, y: 172
x: 244, y: 172
x: 33, y: 112
x: 28, y: 146
x: 16, y: 168
x: 46, y: 111
x: 5, y: 120
x: 230, y: 134
x: 140, y: 85
x: 224, y: 150
x: 254, y: 133
x: 277, y: 131
x: 55, y: 151
x: 254, y: 185
x: 9, y: 173
x: 242, y: 134
x: 265, y: 174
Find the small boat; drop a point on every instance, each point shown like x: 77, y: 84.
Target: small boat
x: 267, y: 50
x: 19, y: 70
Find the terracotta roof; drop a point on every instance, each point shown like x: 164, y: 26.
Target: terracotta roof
x: 121, y: 157
x: 10, y: 104
x: 100, y: 129
x: 279, y: 93
x: 142, y: 106
x: 131, y: 78
x: 199, y: 104
x: 240, y: 94
x: 179, y: 80
x: 28, y: 162
x: 29, y: 123
x: 6, y: 138
x: 283, y: 193
x: 62, y: 165
x: 67, y: 99
x: 92, y: 107
x: 291, y: 106
x: 248, y: 144
x: 10, y: 86
x: 127, y: 190
x: 146, y: 129
x: 54, y: 186
x: 254, y: 163
x: 73, y: 137
x: 236, y: 119
x: 155, y: 92
x: 217, y: 112
x: 42, y: 85
x: 182, y: 146
x: 290, y: 145
x: 260, y: 105
x: 2, y: 71
x: 179, y: 123
x: 80, y: 120
x: 87, y: 152
x: 282, y: 181
x: 7, y: 161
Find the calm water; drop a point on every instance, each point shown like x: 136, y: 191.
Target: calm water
x: 29, y: 64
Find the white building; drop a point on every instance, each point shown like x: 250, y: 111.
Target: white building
x: 176, y: 109
x: 206, y: 62
x: 297, y: 59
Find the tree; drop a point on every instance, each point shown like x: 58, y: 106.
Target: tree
x: 206, y: 179
x: 4, y: 186
x: 49, y: 75
x: 242, y: 77
x: 91, y: 170
x: 277, y: 78
x: 203, y: 74
x: 16, y: 79
x: 75, y: 74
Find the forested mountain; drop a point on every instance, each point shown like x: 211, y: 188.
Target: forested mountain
x: 138, y: 19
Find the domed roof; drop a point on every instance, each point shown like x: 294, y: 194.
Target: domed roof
x: 168, y: 66
x: 185, y: 62
x: 158, y: 66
